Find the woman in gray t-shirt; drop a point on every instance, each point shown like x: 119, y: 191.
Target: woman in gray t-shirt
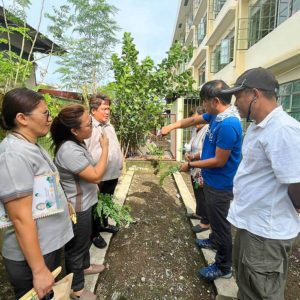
x: 79, y: 175
x: 31, y: 246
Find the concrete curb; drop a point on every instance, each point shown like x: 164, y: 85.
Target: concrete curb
x: 226, y: 288
x: 98, y: 255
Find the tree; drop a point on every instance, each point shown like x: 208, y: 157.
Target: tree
x: 14, y: 67
x: 140, y: 90
x: 86, y: 29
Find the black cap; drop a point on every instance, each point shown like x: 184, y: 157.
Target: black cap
x: 259, y: 78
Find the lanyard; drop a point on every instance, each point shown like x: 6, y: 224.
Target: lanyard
x: 23, y: 137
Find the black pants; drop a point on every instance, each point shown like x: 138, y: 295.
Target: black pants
x: 218, y: 202
x: 200, y: 202
x: 20, y: 275
x: 105, y: 187
x: 77, y: 254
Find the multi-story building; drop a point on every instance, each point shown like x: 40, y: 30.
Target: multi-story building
x: 231, y: 36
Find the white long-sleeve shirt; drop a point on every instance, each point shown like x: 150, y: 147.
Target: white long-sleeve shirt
x: 115, y: 158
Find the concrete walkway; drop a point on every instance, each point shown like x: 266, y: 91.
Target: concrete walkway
x: 226, y: 288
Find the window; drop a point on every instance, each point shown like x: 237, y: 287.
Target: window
x: 223, y: 53
x: 201, y: 75
x: 201, y: 30
x: 218, y: 4
x: 286, y: 8
x: 190, y: 19
x: 289, y: 98
x: 267, y: 15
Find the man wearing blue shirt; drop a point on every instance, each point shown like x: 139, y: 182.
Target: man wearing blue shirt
x: 220, y: 159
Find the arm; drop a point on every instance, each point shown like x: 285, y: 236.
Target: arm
x: 218, y: 161
x: 294, y: 193
x: 20, y: 213
x: 188, y: 122
x: 95, y: 174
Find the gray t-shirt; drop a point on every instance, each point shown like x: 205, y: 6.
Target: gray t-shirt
x: 70, y: 160
x: 20, y: 161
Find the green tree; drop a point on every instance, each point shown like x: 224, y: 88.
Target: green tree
x: 140, y: 91
x: 87, y: 30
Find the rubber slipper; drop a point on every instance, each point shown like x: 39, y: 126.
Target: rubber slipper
x: 95, y: 269
x: 111, y: 229
x: 192, y: 216
x: 198, y: 229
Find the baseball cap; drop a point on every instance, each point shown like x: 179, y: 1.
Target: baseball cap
x: 259, y: 78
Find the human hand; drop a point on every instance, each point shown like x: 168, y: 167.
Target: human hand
x: 188, y: 156
x: 104, y: 141
x: 184, y: 167
x: 165, y: 130
x: 43, y: 282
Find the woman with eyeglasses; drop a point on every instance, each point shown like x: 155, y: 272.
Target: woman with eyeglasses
x: 31, y: 246
x: 79, y: 176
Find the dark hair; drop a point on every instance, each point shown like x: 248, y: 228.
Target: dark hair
x: 19, y: 100
x: 96, y: 100
x: 62, y: 124
x: 212, y: 89
x: 197, y: 109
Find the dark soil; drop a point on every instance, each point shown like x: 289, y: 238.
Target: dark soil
x: 155, y: 258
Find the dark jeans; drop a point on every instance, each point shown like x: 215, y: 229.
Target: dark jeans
x: 218, y: 202
x: 105, y: 187
x: 200, y: 202
x: 261, y: 266
x: 77, y: 254
x: 20, y: 275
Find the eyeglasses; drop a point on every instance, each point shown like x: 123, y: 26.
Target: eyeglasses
x: 46, y: 113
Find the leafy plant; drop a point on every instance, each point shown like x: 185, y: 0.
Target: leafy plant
x: 16, y: 65
x: 171, y: 170
x: 112, y: 210
x: 141, y: 90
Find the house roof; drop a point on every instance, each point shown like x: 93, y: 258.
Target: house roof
x: 42, y: 44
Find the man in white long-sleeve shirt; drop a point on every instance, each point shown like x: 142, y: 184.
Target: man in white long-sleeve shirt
x: 100, y: 111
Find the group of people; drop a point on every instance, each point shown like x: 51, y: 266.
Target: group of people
x: 87, y: 159
x: 261, y: 174
x: 262, y: 177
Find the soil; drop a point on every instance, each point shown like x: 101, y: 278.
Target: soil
x: 156, y: 257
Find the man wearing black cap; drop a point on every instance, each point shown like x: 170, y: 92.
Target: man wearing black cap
x: 220, y: 158
x: 266, y: 188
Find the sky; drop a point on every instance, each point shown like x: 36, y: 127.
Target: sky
x: 151, y: 23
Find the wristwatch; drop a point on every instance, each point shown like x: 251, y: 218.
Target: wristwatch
x: 189, y: 165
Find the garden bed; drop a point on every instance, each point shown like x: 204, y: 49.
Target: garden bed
x: 156, y: 257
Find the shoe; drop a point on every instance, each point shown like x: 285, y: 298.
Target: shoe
x: 99, y: 242
x: 192, y: 216
x: 95, y: 269
x: 198, y: 228
x: 213, y: 272
x: 86, y: 295
x: 111, y: 229
x: 206, y: 243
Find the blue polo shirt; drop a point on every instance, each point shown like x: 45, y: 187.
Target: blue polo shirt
x: 227, y: 135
